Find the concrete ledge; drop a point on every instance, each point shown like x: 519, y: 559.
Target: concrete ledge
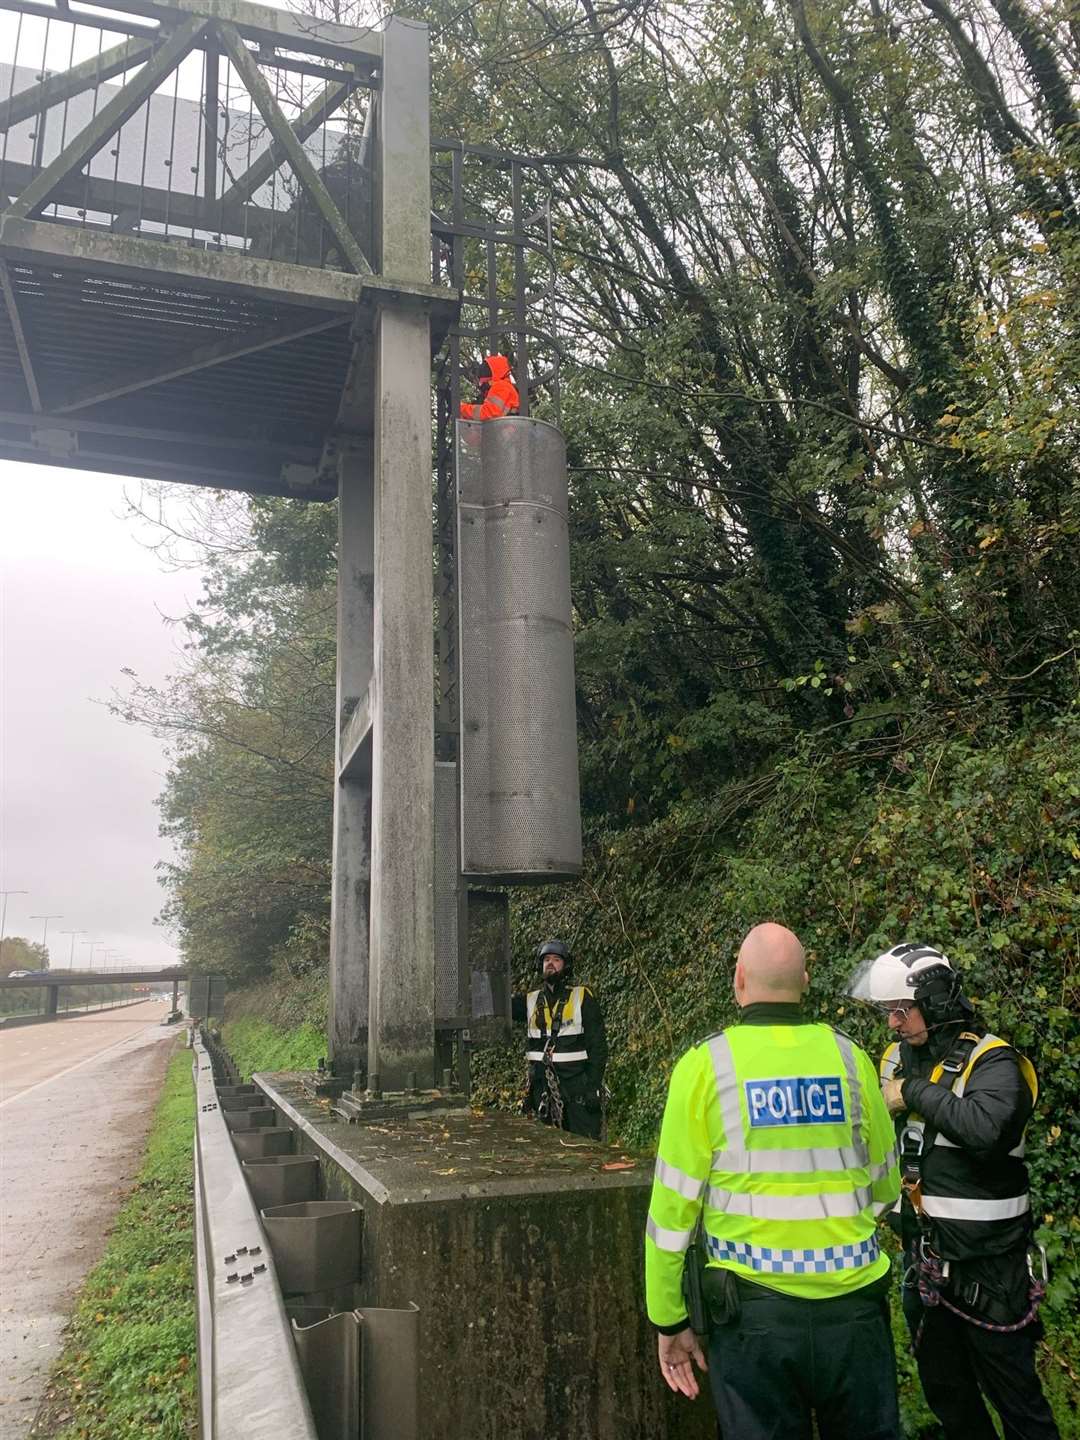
x: 524, y: 1254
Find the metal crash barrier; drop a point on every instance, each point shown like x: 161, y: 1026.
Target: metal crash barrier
x: 286, y: 1352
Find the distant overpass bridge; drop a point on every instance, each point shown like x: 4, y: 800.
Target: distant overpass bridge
x: 173, y: 975
x: 53, y: 981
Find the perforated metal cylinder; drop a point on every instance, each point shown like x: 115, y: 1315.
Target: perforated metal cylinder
x: 520, y: 803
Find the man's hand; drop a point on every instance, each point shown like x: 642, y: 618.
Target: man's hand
x: 892, y: 1092
x: 678, y: 1353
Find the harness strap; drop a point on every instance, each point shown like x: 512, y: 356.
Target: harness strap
x: 932, y: 1274
x: 956, y: 1064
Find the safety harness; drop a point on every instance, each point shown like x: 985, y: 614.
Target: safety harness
x: 929, y: 1273
x: 913, y: 1136
x: 550, y: 1109
x: 932, y: 1276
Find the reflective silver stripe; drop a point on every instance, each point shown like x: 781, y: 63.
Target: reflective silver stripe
x: 558, y: 1057
x: 674, y: 1240
x: 822, y: 1206
x: 949, y: 1207
x: 786, y: 1162
x: 496, y: 400
x: 675, y: 1179
x: 736, y: 1159
x: 727, y: 1087
x: 880, y: 1172
x: 851, y: 1066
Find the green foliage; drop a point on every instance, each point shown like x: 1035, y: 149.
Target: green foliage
x: 19, y: 954
x: 972, y: 846
x: 128, y: 1366
x: 258, y: 1045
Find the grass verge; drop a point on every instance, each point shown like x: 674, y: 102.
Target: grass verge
x: 258, y: 1045
x: 127, y: 1371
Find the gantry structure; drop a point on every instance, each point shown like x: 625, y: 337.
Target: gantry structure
x: 206, y: 282
x: 220, y: 266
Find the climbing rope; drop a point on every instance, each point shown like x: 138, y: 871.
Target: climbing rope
x: 931, y: 1276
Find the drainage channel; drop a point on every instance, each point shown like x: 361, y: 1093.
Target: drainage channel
x: 286, y: 1349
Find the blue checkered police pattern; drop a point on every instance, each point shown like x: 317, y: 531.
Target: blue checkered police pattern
x: 795, y: 1262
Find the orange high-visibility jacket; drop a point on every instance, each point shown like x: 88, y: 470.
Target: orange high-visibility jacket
x: 500, y: 392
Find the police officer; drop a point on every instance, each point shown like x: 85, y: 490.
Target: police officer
x: 567, y: 1047
x: 962, y: 1097
x: 776, y: 1140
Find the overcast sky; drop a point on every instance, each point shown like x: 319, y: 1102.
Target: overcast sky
x: 80, y: 599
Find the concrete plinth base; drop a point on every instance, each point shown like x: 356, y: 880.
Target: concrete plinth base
x: 524, y: 1254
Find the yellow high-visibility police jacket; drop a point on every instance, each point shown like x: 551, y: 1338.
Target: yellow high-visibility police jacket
x: 777, y: 1137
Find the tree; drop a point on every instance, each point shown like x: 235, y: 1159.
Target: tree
x: 19, y: 954
x: 816, y: 270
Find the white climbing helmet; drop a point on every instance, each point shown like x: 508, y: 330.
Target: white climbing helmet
x: 894, y: 974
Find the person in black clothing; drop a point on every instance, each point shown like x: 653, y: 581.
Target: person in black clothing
x: 961, y: 1098
x: 567, y: 1048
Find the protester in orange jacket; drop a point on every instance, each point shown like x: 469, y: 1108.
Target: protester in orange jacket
x: 500, y: 396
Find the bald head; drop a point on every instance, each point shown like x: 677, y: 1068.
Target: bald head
x: 771, y: 966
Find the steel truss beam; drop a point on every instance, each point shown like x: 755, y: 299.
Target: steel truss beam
x: 285, y: 136
x: 115, y: 197
x: 320, y: 109
x: 110, y: 118
x: 55, y: 89
x: 348, y: 72
x: 269, y: 27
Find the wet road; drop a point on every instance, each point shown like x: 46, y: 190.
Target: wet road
x: 76, y: 1098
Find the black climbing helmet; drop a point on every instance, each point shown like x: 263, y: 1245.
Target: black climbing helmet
x: 554, y: 947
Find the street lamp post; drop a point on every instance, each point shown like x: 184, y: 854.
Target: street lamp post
x: 71, y: 957
x: 3, y: 909
x: 45, y: 927
x: 93, y: 944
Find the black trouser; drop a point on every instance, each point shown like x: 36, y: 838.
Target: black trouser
x: 581, y: 1102
x: 958, y: 1360
x: 782, y: 1359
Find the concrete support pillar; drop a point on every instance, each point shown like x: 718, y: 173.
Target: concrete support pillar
x: 350, y: 908
x: 401, y: 1034
x: 52, y: 996
x: 175, y: 996
x: 402, y: 1001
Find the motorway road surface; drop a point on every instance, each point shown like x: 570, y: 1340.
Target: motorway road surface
x: 76, y: 1098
